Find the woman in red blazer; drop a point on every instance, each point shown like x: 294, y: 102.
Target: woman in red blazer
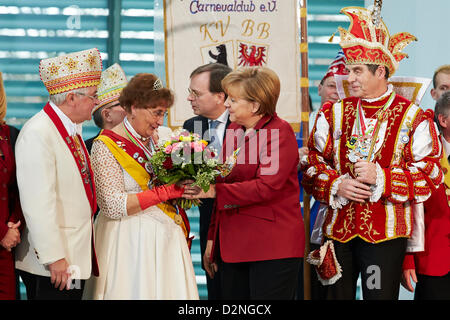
x: 256, y: 235
x: 11, y: 217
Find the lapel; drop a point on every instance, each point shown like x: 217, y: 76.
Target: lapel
x: 226, y: 127
x: 87, y: 178
x: 205, y: 127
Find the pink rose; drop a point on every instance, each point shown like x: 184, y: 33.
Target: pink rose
x: 197, y: 146
x: 176, y: 146
x: 168, y: 149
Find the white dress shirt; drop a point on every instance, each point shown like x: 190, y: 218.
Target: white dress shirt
x: 220, y: 129
x: 71, y: 127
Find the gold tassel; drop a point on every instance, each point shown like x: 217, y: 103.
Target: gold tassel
x: 332, y: 37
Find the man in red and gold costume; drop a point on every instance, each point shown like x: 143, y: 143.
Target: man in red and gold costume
x: 374, y: 158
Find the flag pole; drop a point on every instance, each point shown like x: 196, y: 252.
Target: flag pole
x: 304, y: 84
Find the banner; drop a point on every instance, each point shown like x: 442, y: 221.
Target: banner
x: 236, y: 33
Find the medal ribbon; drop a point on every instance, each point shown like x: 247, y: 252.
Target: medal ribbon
x: 360, y: 123
x: 131, y: 133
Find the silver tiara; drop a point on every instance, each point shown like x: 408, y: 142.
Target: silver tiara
x: 158, y: 84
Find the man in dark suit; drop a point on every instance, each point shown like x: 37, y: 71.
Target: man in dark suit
x: 207, y: 99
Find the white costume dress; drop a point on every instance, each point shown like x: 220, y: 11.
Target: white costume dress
x: 142, y: 256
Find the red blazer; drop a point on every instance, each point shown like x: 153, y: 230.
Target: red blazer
x: 257, y: 211
x: 10, y: 210
x: 435, y: 260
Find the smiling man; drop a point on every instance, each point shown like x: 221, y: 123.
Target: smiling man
x: 372, y: 158
x: 55, y: 181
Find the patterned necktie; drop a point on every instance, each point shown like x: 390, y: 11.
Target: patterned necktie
x: 213, y: 132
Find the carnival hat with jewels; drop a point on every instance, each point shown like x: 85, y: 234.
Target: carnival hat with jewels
x: 337, y: 66
x: 367, y: 40
x: 71, y: 71
x: 112, y: 82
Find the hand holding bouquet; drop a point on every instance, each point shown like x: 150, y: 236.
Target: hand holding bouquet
x: 185, y: 157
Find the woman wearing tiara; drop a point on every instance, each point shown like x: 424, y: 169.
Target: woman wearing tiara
x: 142, y: 252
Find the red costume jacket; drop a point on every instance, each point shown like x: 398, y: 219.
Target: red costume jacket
x: 435, y: 260
x: 407, y: 154
x: 257, y: 211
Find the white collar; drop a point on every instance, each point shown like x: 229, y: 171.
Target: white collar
x: 223, y: 118
x: 384, y: 95
x: 71, y: 127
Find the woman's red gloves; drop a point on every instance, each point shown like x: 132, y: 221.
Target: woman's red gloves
x: 159, y: 194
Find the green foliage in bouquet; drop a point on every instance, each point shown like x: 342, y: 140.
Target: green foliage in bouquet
x: 185, y: 157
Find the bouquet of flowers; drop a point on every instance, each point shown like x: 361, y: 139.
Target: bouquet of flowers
x: 185, y: 156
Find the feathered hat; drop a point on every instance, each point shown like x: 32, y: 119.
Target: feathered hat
x: 367, y: 40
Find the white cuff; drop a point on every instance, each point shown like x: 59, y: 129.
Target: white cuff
x: 377, y: 188
x: 337, y: 202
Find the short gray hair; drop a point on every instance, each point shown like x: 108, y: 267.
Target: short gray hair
x: 59, y: 98
x: 442, y: 107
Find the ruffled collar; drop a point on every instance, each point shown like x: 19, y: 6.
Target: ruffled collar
x: 383, y: 96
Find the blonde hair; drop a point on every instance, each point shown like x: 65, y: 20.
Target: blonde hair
x: 2, y: 101
x: 255, y: 84
x: 442, y: 69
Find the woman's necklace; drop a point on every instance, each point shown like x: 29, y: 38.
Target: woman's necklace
x: 137, y: 139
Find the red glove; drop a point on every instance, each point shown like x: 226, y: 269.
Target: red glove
x: 157, y: 195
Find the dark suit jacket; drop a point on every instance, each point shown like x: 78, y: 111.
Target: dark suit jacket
x: 89, y: 142
x: 200, y: 125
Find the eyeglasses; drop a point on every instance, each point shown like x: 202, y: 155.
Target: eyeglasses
x: 158, y: 114
x: 86, y: 95
x: 194, y: 93
x: 114, y: 105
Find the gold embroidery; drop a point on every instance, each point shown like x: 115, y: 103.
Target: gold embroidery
x: 53, y: 69
x: 349, y: 110
x: 368, y: 227
x: 91, y: 59
x: 391, y: 114
x: 72, y: 64
x: 348, y: 221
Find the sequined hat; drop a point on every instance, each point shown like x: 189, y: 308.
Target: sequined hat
x: 71, y: 71
x: 337, y: 66
x: 112, y: 82
x: 367, y: 40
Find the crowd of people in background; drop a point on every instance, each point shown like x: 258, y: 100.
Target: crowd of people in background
x: 80, y: 220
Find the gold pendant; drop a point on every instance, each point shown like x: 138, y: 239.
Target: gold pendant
x: 178, y: 219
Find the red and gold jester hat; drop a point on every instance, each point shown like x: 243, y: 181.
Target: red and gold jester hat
x: 367, y: 40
